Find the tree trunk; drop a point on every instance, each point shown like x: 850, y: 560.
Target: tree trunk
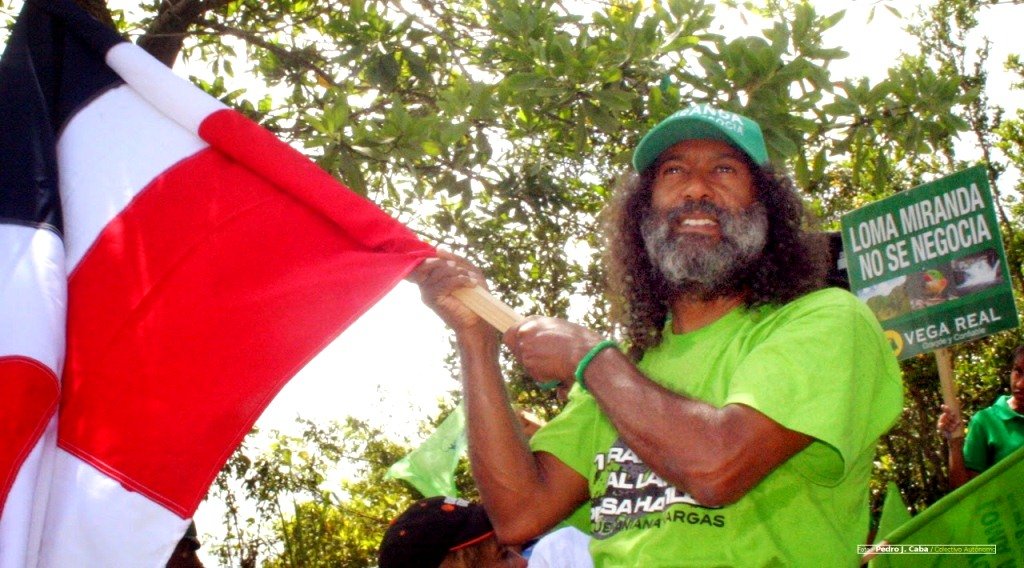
x: 166, y: 35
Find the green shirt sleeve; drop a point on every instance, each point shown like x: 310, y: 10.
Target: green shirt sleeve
x: 823, y: 368
x: 571, y: 435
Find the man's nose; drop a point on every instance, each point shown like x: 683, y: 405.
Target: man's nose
x: 697, y: 188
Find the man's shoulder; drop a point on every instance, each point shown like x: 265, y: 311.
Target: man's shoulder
x: 835, y: 302
x: 828, y: 312
x: 827, y: 296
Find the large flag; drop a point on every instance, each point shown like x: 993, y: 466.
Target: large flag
x: 430, y: 468
x: 979, y: 524
x: 194, y: 264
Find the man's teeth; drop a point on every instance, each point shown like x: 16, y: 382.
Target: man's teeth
x: 698, y: 222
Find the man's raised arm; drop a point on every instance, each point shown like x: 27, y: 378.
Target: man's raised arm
x: 524, y: 493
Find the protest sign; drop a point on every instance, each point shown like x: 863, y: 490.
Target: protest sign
x: 930, y: 264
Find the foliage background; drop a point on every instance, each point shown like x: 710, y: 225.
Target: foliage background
x: 495, y: 128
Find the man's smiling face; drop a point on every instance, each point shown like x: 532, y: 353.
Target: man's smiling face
x: 702, y: 170
x: 705, y: 223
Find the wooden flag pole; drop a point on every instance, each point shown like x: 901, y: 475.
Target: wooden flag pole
x: 944, y: 361
x: 491, y: 309
x: 873, y: 552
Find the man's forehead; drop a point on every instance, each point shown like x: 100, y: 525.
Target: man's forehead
x: 713, y: 148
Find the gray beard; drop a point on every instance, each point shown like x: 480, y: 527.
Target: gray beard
x: 697, y: 266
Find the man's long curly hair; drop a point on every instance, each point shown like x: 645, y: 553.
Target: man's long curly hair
x: 793, y: 262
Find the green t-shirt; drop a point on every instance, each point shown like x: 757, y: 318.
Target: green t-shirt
x: 818, y: 365
x: 994, y: 433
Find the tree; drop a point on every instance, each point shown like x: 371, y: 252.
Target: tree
x: 280, y: 505
x: 496, y: 127
x: 283, y: 508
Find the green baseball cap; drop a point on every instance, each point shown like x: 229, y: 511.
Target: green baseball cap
x: 701, y: 122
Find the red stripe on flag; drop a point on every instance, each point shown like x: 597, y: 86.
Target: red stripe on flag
x: 250, y: 144
x: 193, y: 308
x: 36, y: 390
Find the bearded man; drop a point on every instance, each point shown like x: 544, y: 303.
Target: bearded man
x: 739, y: 425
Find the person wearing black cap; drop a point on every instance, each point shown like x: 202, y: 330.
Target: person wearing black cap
x: 738, y: 426
x: 445, y: 532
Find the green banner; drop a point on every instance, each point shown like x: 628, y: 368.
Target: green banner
x: 979, y: 524
x: 930, y: 264
x: 430, y: 468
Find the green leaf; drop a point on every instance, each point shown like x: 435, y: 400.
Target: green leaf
x: 383, y: 70
x: 522, y: 81
x: 431, y: 148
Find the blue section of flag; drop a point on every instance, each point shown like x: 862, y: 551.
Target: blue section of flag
x: 46, y: 75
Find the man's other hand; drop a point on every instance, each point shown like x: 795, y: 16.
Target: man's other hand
x: 550, y: 348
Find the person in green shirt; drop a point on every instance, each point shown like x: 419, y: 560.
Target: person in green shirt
x: 995, y: 432
x: 738, y: 426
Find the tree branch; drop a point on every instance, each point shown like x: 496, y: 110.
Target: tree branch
x: 281, y: 53
x: 166, y: 34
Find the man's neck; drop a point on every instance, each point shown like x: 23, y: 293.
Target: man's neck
x: 690, y: 315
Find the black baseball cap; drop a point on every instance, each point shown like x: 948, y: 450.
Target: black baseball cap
x: 431, y: 528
